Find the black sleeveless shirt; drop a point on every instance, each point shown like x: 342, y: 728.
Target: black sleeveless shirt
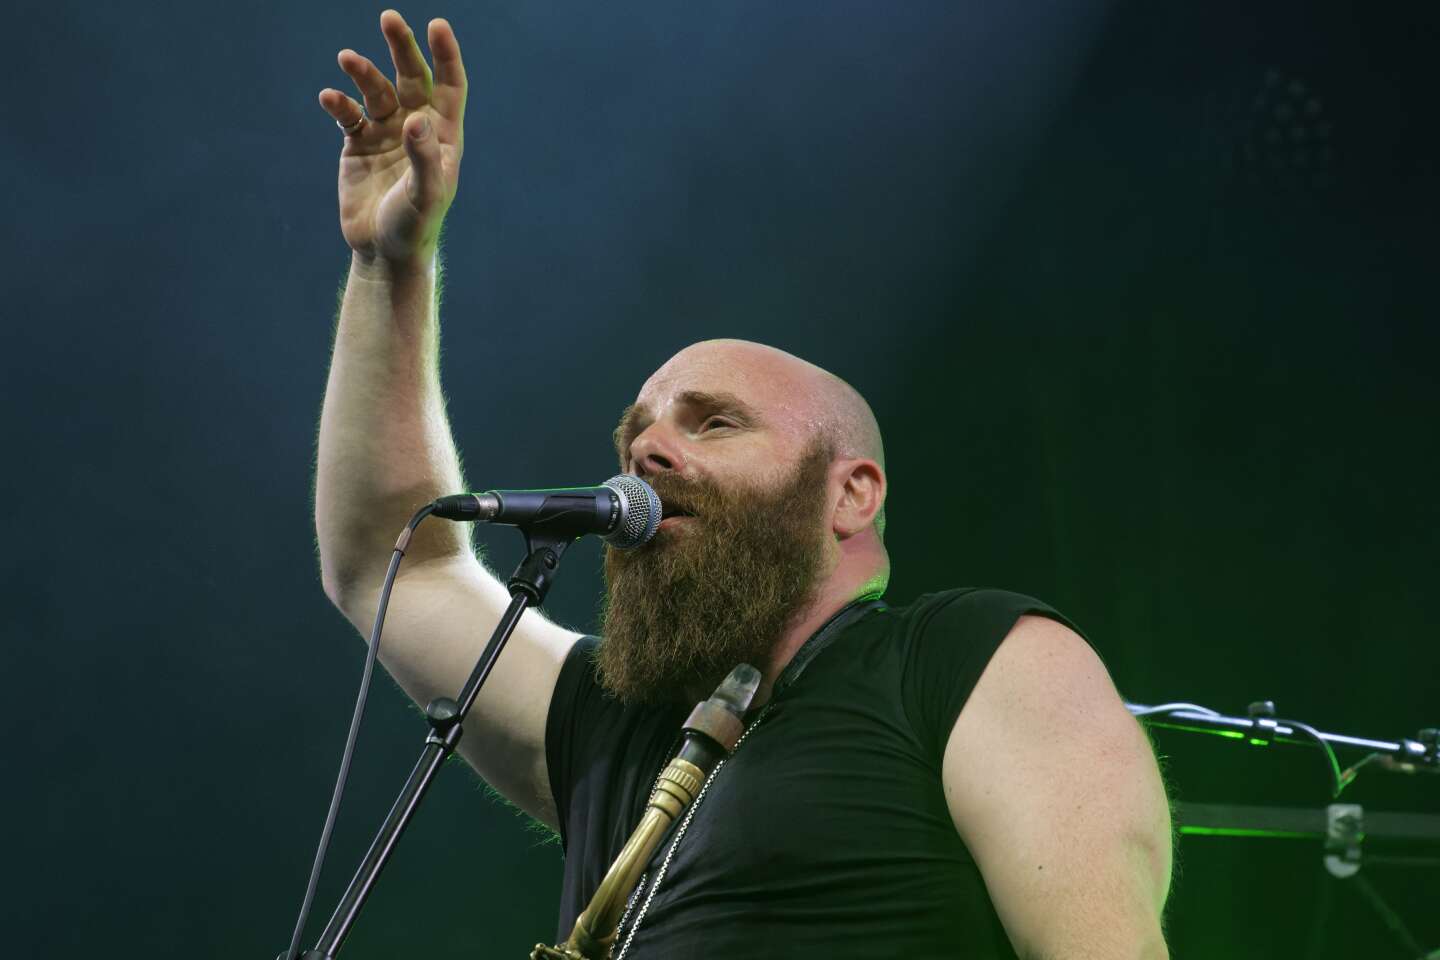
x: 826, y: 834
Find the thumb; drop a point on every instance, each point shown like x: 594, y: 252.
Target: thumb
x: 426, y: 181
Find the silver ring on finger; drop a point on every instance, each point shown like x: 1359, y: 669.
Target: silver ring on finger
x: 352, y: 128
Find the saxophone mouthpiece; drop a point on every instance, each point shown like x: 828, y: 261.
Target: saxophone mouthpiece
x: 722, y: 717
x: 737, y: 690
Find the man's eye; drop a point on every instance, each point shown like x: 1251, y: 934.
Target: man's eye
x: 712, y: 423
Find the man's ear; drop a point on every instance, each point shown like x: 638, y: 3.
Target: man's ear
x: 862, y: 494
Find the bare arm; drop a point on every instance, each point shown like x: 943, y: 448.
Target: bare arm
x: 385, y: 446
x: 1055, y: 790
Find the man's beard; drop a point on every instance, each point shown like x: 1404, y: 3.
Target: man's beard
x: 722, y: 589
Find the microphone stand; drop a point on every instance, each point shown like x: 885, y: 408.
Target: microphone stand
x: 1342, y: 826
x: 528, y: 586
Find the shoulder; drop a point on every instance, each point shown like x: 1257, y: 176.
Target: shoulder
x: 972, y: 610
x: 1042, y: 666
x: 972, y: 625
x: 1041, y: 674
x: 579, y: 709
x: 947, y: 640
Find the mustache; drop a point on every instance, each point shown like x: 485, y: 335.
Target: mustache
x: 693, y: 497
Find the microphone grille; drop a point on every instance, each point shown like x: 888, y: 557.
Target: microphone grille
x: 639, y: 512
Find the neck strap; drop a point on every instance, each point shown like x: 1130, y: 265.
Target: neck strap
x: 822, y: 638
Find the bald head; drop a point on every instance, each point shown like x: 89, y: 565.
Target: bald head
x: 800, y: 399
x: 816, y: 402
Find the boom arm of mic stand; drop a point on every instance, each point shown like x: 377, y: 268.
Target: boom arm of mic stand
x: 1262, y: 728
x: 528, y: 587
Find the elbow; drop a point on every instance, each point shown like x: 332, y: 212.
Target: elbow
x: 344, y: 586
x: 333, y: 578
x: 331, y: 585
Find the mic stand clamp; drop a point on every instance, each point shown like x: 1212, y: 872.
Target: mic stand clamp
x: 1344, y: 830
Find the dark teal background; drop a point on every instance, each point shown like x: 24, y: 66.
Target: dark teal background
x: 1143, y: 295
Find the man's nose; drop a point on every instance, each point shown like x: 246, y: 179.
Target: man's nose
x: 656, y: 450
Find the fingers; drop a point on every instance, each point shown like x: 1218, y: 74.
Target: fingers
x: 425, y: 182
x: 450, y: 83
x: 412, y: 73
x: 380, y: 98
x: 345, y: 110
x: 415, y: 86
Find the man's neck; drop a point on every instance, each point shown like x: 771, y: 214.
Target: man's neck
x: 834, y: 595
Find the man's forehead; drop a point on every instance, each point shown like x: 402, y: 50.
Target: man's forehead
x: 659, y: 392
x: 752, y: 373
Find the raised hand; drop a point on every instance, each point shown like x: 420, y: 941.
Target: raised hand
x: 400, y: 165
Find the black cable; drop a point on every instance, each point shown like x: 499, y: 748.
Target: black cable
x: 1324, y: 744
x: 371, y: 655
x: 1353, y: 770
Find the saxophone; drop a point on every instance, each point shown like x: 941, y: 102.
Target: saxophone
x: 711, y: 731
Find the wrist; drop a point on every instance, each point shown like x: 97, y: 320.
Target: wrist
x: 384, y: 270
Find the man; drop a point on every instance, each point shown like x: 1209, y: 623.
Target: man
x: 955, y: 777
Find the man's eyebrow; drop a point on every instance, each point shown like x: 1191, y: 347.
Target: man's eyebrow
x: 719, y: 400
x: 636, y: 417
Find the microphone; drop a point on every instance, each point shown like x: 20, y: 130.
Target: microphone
x: 624, y: 510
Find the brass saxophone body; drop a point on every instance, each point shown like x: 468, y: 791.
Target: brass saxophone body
x: 711, y: 732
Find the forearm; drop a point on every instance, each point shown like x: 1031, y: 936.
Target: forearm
x: 384, y: 447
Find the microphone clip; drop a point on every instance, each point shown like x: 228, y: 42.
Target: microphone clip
x: 536, y: 572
